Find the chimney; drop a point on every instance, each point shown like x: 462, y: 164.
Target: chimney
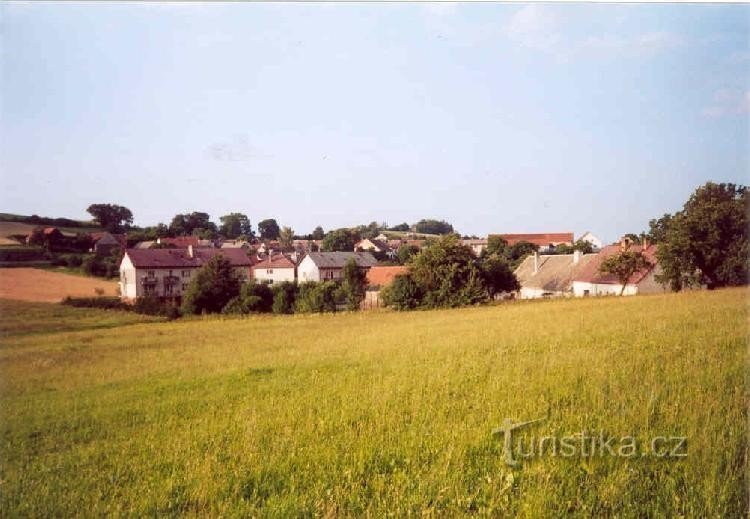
x: 190, y: 251
x: 645, y: 243
x: 536, y: 262
x: 576, y: 256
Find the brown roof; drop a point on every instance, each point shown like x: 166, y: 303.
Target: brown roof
x: 165, y: 258
x: 383, y: 276
x: 540, y: 239
x: 278, y: 261
x: 591, y: 273
x: 555, y: 273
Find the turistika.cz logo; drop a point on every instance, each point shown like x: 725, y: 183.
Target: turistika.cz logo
x: 583, y: 444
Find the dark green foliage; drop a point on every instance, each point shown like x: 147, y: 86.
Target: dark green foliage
x: 447, y: 273
x: 402, y: 294
x: 353, y: 285
x: 284, y: 296
x: 368, y: 231
x: 213, y: 286
x: 428, y: 226
x: 112, y: 217
x: 150, y: 305
x: 317, y: 297
x: 497, y: 275
x: 234, y: 225
x: 582, y: 246
x: 402, y: 227
x: 513, y: 254
x: 268, y: 229
x: 253, y: 298
x: 405, y: 253
x: 340, y: 240
x: 147, y: 234
x: 102, y: 266
x: 43, y: 220
x: 22, y: 254
x: 707, y: 242
x: 192, y: 224
x: 318, y: 233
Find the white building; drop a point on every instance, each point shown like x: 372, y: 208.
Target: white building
x: 325, y: 266
x: 543, y: 275
x: 166, y: 273
x: 595, y: 242
x: 591, y: 282
x: 274, y: 269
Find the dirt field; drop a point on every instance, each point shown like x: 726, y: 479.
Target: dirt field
x: 28, y: 284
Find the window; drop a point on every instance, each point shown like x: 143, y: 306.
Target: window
x: 586, y: 292
x: 269, y: 271
x: 150, y: 274
x: 184, y: 287
x: 149, y: 289
x: 186, y: 273
x: 170, y: 273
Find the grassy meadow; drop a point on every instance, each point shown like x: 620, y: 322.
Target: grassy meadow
x: 374, y: 413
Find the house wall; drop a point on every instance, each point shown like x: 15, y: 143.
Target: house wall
x: 127, y: 283
x: 273, y: 275
x: 536, y: 293
x: 649, y: 285
x: 602, y: 289
x: 307, y: 270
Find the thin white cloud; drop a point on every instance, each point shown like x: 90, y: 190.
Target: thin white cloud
x: 728, y: 102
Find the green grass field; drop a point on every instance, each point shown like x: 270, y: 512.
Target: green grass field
x: 375, y: 413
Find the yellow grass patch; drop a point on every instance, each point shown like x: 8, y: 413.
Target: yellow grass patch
x: 29, y: 284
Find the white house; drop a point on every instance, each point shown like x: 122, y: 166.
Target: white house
x: 274, y: 269
x: 543, y: 275
x: 166, y: 273
x: 590, y: 282
x: 325, y: 266
x: 595, y: 242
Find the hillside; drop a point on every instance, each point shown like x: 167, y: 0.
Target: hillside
x: 378, y: 412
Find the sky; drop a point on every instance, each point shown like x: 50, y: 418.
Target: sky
x: 499, y: 118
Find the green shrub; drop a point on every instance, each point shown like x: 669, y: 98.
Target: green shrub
x: 106, y: 303
x: 403, y: 294
x: 253, y: 298
x: 284, y: 296
x: 317, y: 297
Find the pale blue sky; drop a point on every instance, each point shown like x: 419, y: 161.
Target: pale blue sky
x: 495, y: 117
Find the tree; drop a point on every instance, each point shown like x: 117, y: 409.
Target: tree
x: 518, y: 251
x: 624, y: 265
x: 353, y: 285
x: 428, y: 226
x: 318, y: 233
x: 316, y: 297
x: 113, y: 218
x: 497, y: 275
x: 339, y: 240
x: 403, y: 293
x: 234, y: 225
x: 268, y: 229
x: 707, y: 241
x: 582, y: 246
x: 191, y: 224
x: 402, y: 227
x: 213, y: 286
x: 447, y: 274
x: 406, y: 252
x: 253, y: 298
x: 286, y: 238
x: 497, y: 245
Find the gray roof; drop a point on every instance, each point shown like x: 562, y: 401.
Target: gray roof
x: 339, y: 259
x: 555, y: 273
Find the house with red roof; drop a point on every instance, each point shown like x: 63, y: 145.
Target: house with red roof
x: 589, y: 281
x: 545, y: 241
x: 166, y: 273
x: 275, y: 268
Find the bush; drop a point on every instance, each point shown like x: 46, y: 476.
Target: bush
x: 22, y: 254
x: 317, y: 297
x: 150, y: 305
x: 214, y: 285
x: 253, y: 298
x: 403, y: 294
x: 284, y: 297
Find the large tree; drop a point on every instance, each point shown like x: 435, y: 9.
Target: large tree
x: 268, y: 229
x: 286, y: 238
x: 339, y: 240
x: 353, y: 285
x: 706, y: 242
x: 498, y: 276
x: 429, y: 226
x: 624, y: 265
x: 318, y: 233
x: 114, y: 218
x: 192, y: 223
x: 234, y: 225
x: 213, y: 286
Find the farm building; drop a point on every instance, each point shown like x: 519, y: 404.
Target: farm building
x: 595, y: 242
x: 590, y: 282
x: 325, y: 266
x: 166, y: 273
x: 378, y: 278
x: 543, y: 275
x: 546, y: 241
x: 274, y: 269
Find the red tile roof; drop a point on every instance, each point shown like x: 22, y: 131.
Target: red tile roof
x: 383, y: 276
x: 590, y: 272
x: 276, y: 262
x: 541, y: 239
x: 165, y: 258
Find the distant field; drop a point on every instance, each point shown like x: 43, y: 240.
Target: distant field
x: 375, y: 413
x: 30, y: 284
x: 9, y: 228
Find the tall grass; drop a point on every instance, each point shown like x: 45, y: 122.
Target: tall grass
x: 379, y: 412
